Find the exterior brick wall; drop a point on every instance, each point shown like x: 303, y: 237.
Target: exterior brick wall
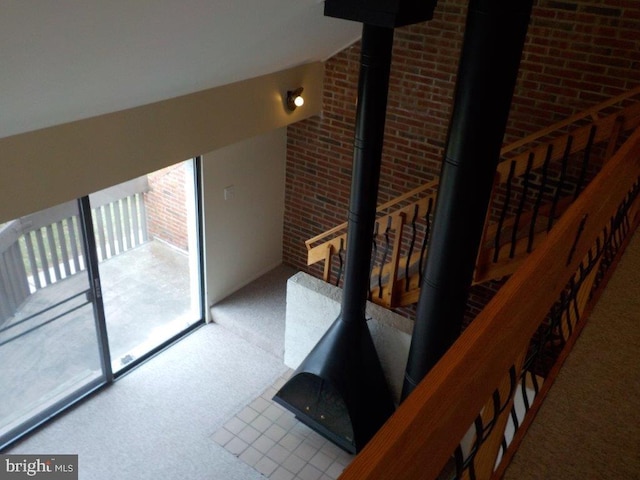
x: 166, y: 206
x: 577, y: 53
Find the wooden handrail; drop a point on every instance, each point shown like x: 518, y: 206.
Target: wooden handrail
x: 606, y: 127
x: 590, y: 112
x: 603, y: 129
x: 381, y: 208
x: 418, y: 440
x: 508, y: 148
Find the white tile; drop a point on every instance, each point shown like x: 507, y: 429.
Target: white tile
x: 249, y: 434
x: 334, y: 470
x: 290, y: 441
x: 278, y: 453
x: 344, y: 457
x: 247, y: 414
x: 265, y: 466
x: 305, y: 451
x: 287, y: 421
x: 315, y: 439
x: 326, y: 477
x: 269, y: 393
x: 235, y: 425
x: 261, y: 423
x: 281, y: 474
x: 309, y: 472
x: 275, y: 432
x: 294, y: 464
x: 301, y: 430
x: 273, y: 412
x: 263, y: 444
x: 259, y: 404
x: 236, y: 446
x: 250, y: 456
x: 321, y: 461
x: 331, y: 450
x: 222, y: 436
x: 279, y: 383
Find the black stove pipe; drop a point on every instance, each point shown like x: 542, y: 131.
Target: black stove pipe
x: 339, y: 389
x: 375, y: 65
x: 493, y: 43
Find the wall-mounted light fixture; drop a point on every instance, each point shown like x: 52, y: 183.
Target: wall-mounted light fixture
x: 294, y: 99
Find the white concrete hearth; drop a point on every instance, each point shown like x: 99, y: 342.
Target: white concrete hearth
x: 313, y: 305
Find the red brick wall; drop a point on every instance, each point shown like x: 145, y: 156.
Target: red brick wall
x: 577, y: 53
x: 166, y: 206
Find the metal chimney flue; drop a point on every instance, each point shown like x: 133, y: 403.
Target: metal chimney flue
x: 493, y: 42
x: 339, y: 390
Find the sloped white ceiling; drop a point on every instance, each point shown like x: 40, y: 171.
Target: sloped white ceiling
x: 63, y: 60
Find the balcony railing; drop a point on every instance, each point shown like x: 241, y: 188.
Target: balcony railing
x: 537, y: 180
x: 453, y: 424
x: 45, y: 247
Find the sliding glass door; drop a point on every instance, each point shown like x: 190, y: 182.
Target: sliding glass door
x: 50, y: 348
x: 146, y: 233
x: 90, y: 288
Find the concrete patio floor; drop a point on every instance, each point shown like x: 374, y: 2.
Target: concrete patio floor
x: 146, y: 295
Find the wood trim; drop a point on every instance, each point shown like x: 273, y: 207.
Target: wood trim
x: 436, y: 415
x: 579, y: 116
x: 555, y: 370
x: 381, y: 208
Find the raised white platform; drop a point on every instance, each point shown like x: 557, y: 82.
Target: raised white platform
x: 313, y: 305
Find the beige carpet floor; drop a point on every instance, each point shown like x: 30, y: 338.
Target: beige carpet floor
x: 589, y: 425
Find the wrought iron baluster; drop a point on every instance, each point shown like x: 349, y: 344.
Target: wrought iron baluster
x: 534, y: 381
x: 523, y: 199
x: 574, y: 299
x: 374, y: 254
x: 560, y: 186
x: 385, y: 253
x: 340, y: 262
x: 585, y: 161
x: 566, y: 308
x: 514, y: 417
x: 423, y: 249
x: 576, y: 239
x: 614, y: 234
x: 503, y: 213
x: 503, y: 445
x: 536, y: 207
x: 411, y: 245
x: 458, y: 456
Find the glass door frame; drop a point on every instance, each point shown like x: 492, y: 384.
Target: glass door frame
x: 93, y: 290
x: 108, y: 376
x: 198, y: 194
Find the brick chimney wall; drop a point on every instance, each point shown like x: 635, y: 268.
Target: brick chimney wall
x: 577, y: 54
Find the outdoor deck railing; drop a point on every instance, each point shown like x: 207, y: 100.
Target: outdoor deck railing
x: 538, y: 178
x: 526, y: 330
x: 45, y: 247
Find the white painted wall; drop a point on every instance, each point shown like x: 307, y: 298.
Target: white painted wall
x: 46, y: 167
x: 243, y: 233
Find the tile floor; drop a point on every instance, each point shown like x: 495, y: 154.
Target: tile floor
x: 269, y: 439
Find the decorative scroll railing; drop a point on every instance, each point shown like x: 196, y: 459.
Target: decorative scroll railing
x: 43, y: 248
x: 539, y: 177
x: 454, y: 423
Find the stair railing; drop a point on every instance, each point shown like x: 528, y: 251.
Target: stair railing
x: 538, y: 180
x: 471, y: 393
